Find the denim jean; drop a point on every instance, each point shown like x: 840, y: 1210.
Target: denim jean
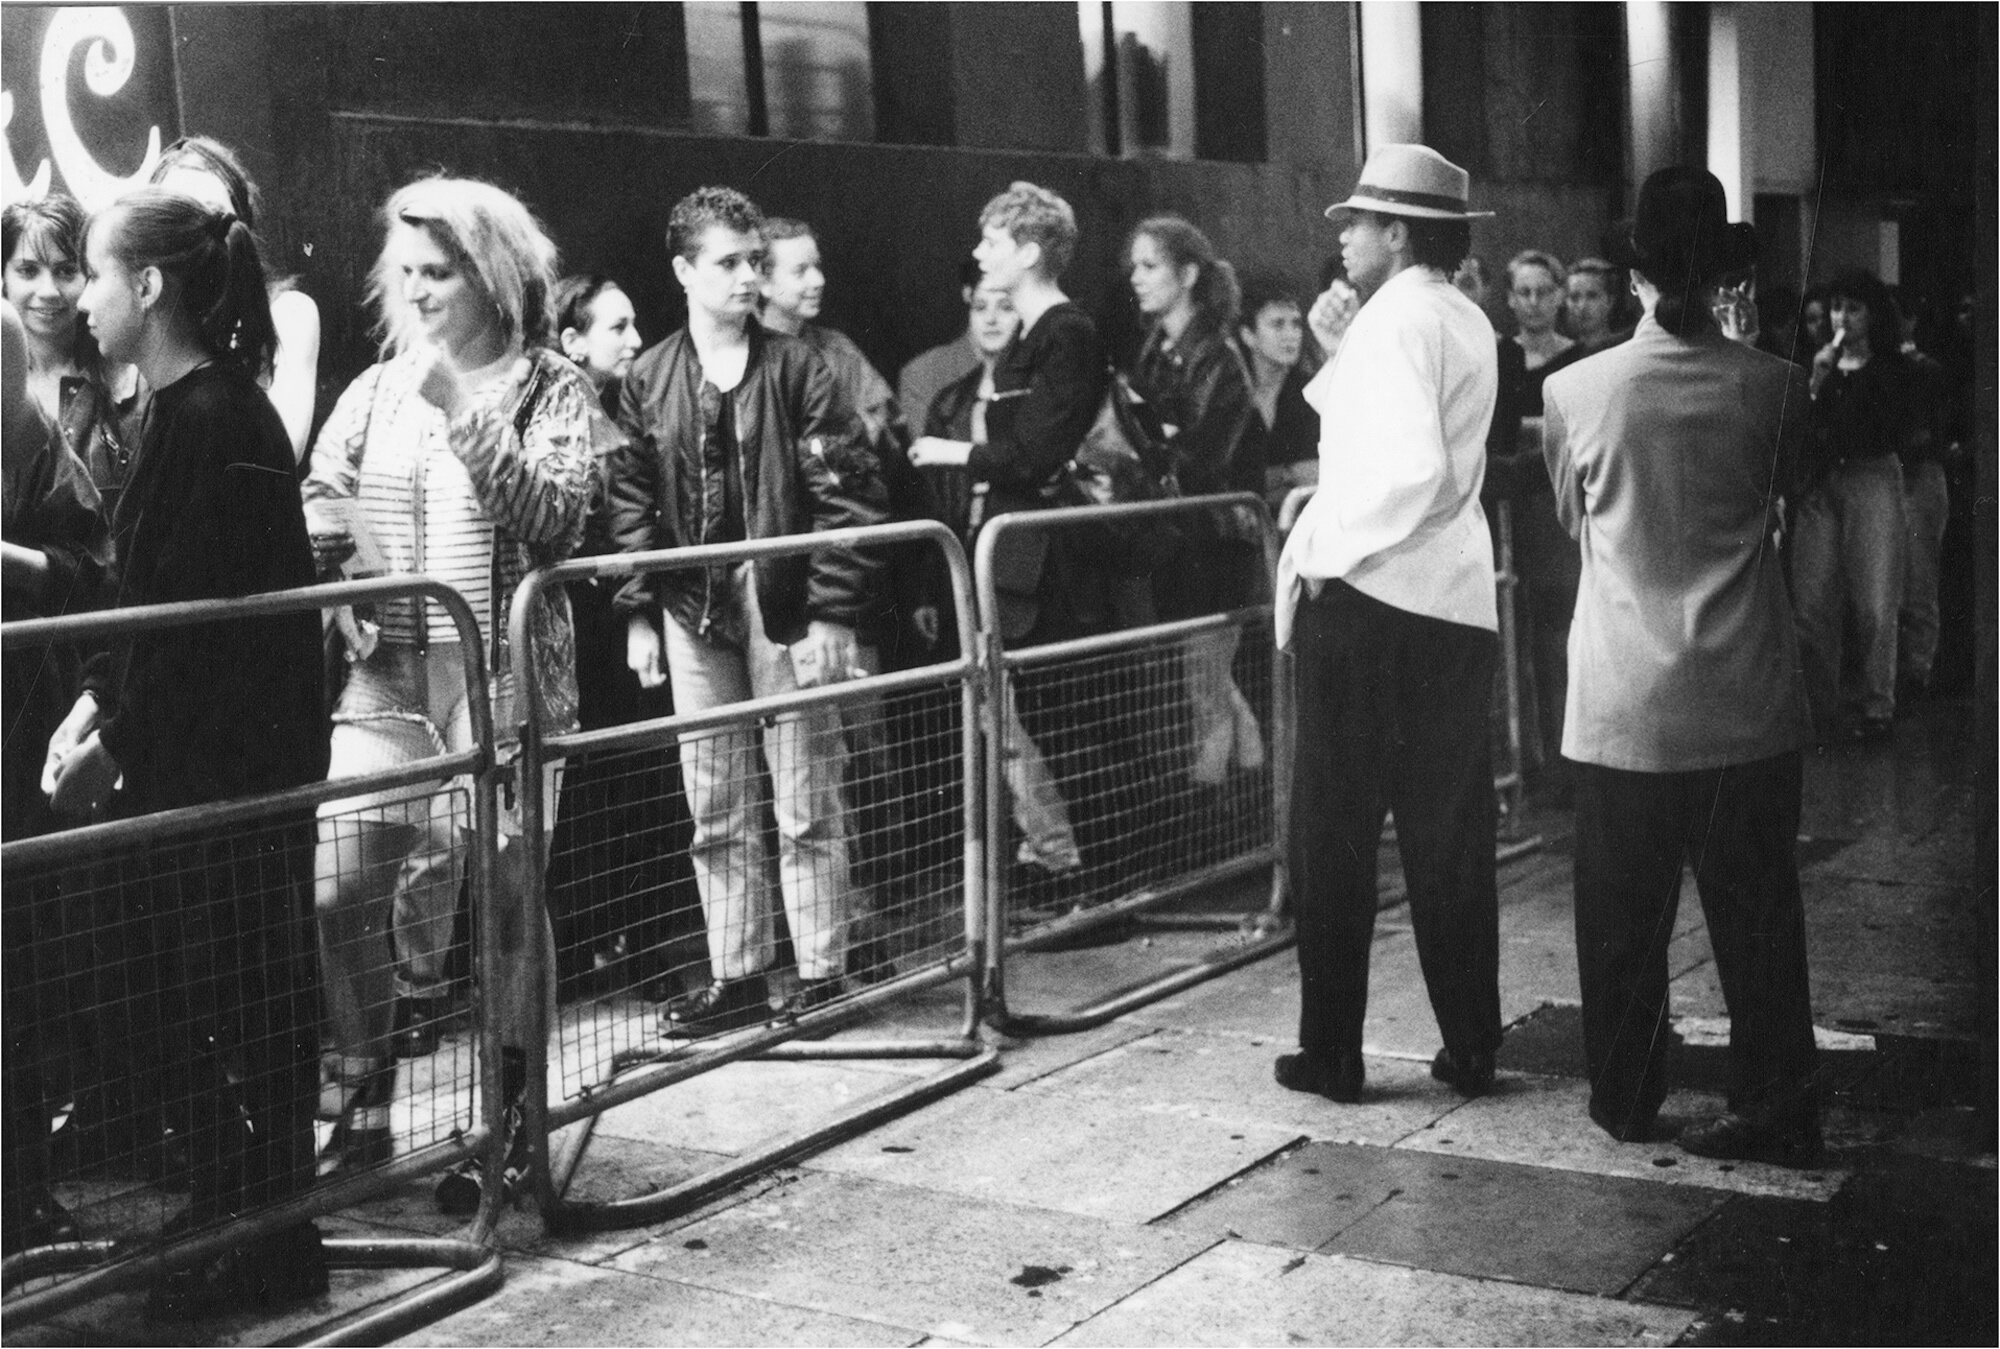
x: 1925, y: 506
x: 807, y: 757
x: 1847, y: 555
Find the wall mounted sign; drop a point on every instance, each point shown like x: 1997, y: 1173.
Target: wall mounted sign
x: 84, y: 93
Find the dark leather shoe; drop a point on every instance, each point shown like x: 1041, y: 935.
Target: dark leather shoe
x: 868, y: 962
x: 1637, y: 1124
x: 1731, y: 1137
x: 415, y: 1033
x: 1338, y: 1078
x: 1467, y: 1074
x: 724, y: 1005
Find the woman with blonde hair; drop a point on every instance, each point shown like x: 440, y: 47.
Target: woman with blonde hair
x: 465, y: 454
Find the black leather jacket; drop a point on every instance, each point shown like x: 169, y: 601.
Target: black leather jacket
x: 805, y: 468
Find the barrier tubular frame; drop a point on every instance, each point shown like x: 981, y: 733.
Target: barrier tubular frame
x: 1511, y: 783
x: 1264, y: 934
x: 637, y: 1075
x: 474, y: 1261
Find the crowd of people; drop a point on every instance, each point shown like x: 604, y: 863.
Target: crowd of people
x: 162, y: 445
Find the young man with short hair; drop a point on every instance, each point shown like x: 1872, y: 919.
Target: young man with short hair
x: 737, y: 433
x: 1385, y: 598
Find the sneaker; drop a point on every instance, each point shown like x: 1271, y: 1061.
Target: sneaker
x: 724, y: 1005
x: 1338, y: 1078
x: 1731, y: 1137
x: 1467, y: 1074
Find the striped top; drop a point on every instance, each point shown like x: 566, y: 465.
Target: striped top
x: 437, y: 493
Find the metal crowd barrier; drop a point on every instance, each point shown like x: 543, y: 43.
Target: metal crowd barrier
x: 122, y: 911
x: 1510, y: 782
x: 891, y: 888
x: 1097, y: 760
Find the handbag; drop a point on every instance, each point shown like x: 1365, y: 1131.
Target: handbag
x: 1124, y: 459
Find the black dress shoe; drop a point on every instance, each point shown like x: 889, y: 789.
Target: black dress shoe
x: 1467, y: 1074
x: 868, y: 962
x: 724, y: 1005
x: 415, y: 1033
x: 1637, y: 1124
x: 1731, y: 1137
x: 1338, y: 1078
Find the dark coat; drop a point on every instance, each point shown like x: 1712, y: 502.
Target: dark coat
x: 804, y: 468
x: 51, y: 506
x: 216, y: 710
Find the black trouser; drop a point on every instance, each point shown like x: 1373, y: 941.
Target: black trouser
x: 1738, y: 827
x: 1392, y: 715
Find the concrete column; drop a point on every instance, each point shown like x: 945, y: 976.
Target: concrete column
x: 1392, y: 72
x: 1654, y: 82
x: 1732, y: 148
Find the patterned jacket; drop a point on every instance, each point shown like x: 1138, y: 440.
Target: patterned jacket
x: 528, y: 450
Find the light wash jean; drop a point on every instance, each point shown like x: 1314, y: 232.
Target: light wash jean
x: 1847, y: 556
x: 807, y: 756
x: 1926, y: 504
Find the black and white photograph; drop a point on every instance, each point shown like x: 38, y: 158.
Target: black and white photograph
x: 1005, y: 672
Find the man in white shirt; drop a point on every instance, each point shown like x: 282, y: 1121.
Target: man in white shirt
x: 1385, y: 599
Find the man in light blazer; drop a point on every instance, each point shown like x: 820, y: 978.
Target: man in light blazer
x: 1686, y: 712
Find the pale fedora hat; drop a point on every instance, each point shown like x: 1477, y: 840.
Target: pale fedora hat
x: 1411, y: 180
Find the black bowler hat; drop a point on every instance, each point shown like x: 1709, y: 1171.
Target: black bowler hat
x: 1682, y: 230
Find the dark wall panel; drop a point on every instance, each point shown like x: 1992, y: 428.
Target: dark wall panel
x: 570, y: 62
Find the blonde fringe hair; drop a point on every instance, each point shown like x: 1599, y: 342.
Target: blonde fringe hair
x: 492, y: 237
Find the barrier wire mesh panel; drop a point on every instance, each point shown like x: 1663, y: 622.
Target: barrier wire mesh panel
x: 168, y: 1067
x: 705, y: 881
x: 1135, y: 768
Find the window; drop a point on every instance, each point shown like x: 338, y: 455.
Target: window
x: 777, y: 68
x: 1174, y: 79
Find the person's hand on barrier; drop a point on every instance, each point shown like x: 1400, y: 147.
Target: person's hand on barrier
x: 643, y: 655
x: 826, y: 655
x: 85, y: 779
x: 81, y: 721
x: 1331, y: 313
x: 937, y: 452
x: 924, y: 618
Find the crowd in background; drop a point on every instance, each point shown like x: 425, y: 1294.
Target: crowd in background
x: 162, y: 444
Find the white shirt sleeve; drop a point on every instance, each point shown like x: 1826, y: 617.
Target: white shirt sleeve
x: 1382, y: 449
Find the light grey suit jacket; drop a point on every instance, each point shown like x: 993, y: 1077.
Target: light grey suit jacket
x: 1667, y: 457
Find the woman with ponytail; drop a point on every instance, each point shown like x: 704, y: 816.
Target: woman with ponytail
x: 191, y: 715
x: 1687, y: 710
x: 1198, y: 386
x: 209, y: 171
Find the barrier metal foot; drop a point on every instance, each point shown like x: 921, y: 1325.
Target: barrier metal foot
x: 1089, y: 1016
x: 475, y: 1271
x: 568, y: 1217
